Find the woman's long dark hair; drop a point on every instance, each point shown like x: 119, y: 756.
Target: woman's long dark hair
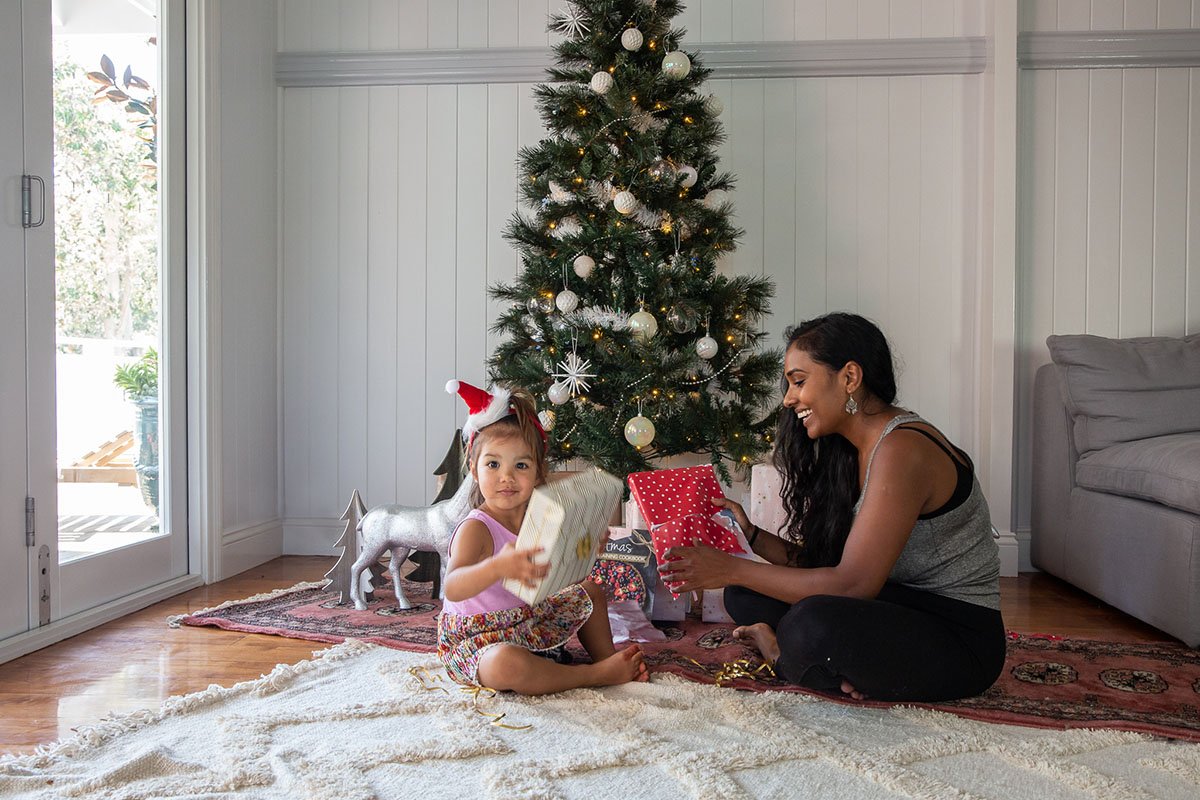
x: 820, y: 477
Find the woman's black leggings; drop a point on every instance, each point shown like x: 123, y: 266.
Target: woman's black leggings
x: 903, y: 645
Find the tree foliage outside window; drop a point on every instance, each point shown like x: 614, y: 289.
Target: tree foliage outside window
x: 106, y: 210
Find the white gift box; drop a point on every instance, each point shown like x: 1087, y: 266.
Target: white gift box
x: 766, y: 507
x: 713, y: 609
x: 669, y: 608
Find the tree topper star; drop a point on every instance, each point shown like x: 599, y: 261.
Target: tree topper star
x: 574, y: 373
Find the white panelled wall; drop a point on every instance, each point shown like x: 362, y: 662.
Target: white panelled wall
x: 880, y: 194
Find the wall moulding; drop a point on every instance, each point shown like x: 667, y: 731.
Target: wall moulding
x: 1108, y: 49
x: 810, y: 59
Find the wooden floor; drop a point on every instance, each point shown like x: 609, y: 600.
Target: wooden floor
x: 137, y: 662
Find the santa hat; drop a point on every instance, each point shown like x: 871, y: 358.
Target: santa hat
x: 484, y: 408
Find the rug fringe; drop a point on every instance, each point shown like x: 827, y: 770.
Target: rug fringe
x: 176, y: 620
x: 90, y: 737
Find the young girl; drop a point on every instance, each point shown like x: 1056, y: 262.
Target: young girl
x: 488, y: 636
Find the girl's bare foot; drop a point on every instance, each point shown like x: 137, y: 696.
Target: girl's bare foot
x: 622, y: 666
x: 762, y: 637
x: 847, y: 688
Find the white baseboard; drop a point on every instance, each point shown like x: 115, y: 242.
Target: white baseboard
x: 1010, y: 556
x: 243, y: 548
x: 1024, y: 542
x: 314, y: 536
x: 25, y: 643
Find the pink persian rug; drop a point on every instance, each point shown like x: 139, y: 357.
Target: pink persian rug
x: 1048, y: 681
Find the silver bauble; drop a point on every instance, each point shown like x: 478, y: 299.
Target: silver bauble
x: 715, y: 198
x: 713, y: 105
x: 584, y: 265
x: 567, y: 301
x: 643, y: 325
x: 676, y: 64
x: 558, y: 393
x: 631, y: 39
x: 546, y: 417
x: 541, y: 303
x: 601, y: 82
x: 706, y: 347
x: 625, y: 202
x: 639, y: 431
x: 559, y: 324
x: 687, y: 176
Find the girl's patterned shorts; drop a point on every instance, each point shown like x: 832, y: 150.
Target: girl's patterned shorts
x: 462, y: 639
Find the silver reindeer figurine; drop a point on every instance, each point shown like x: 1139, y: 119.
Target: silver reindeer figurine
x: 403, y: 529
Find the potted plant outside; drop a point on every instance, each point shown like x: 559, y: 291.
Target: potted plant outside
x: 139, y: 381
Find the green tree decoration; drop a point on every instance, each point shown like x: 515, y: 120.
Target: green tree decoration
x: 620, y: 322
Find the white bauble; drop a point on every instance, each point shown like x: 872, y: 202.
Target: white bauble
x: 706, y: 347
x: 558, y: 393
x: 631, y: 39
x: 713, y: 105
x: 643, y: 326
x: 715, y: 198
x: 547, y: 419
x: 601, y: 82
x: 584, y: 265
x: 676, y: 64
x: 567, y: 301
x: 687, y: 176
x: 625, y: 202
x: 639, y: 431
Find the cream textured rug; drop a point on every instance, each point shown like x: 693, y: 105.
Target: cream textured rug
x: 358, y: 721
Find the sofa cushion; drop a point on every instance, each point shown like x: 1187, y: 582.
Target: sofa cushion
x: 1124, y: 390
x: 1165, y: 469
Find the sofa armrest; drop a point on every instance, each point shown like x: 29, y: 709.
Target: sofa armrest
x: 1054, y: 458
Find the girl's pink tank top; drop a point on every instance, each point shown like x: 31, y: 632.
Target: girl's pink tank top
x: 494, y: 597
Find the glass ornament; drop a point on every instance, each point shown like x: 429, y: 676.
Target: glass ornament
x: 688, y: 176
x: 584, y: 265
x: 676, y: 64
x: 643, y: 325
x: 558, y: 393
x: 706, y: 347
x: 715, y: 198
x: 682, y: 318
x: 542, y: 303
x: 639, y: 431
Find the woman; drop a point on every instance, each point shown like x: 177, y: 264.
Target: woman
x: 885, y: 582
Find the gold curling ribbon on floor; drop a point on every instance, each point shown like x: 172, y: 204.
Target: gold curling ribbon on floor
x: 730, y: 671
x: 496, y: 719
x: 429, y: 683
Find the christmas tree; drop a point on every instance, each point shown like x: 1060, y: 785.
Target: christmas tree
x: 619, y: 317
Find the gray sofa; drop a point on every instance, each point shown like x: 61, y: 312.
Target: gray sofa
x: 1116, y: 474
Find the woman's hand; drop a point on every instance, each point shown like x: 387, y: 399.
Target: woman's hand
x: 520, y: 564
x: 739, y: 513
x: 698, y: 567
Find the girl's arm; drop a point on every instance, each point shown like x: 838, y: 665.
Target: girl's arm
x: 900, y: 485
x: 473, y: 568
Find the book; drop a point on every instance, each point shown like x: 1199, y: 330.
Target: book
x: 568, y: 520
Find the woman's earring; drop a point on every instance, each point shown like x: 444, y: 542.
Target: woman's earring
x: 851, y: 405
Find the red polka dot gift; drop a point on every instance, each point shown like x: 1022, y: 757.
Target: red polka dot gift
x: 675, y: 503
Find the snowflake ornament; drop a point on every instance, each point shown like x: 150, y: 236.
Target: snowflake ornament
x: 571, y: 22
x: 574, y: 373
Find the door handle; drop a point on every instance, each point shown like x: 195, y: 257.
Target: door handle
x: 27, y: 182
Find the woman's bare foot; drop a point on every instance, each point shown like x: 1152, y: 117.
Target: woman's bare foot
x: 847, y: 688
x: 762, y: 637
x: 622, y: 666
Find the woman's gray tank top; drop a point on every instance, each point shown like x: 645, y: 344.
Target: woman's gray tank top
x: 952, y: 554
